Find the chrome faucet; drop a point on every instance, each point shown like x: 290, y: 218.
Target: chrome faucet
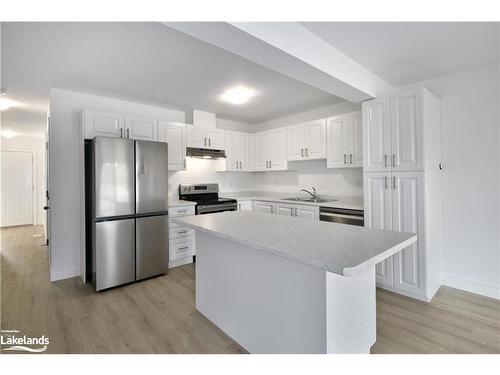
x: 314, y: 194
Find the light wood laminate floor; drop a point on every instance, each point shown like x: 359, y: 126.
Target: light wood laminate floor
x: 158, y: 315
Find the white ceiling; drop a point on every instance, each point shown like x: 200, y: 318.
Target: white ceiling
x: 142, y: 62
x: 404, y: 53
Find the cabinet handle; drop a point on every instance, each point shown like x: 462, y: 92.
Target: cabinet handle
x: 302, y: 152
x: 205, y: 141
x: 394, y: 182
x: 393, y: 160
x: 350, y: 158
x: 267, y: 162
x: 345, y: 158
x: 385, y: 160
x: 296, y: 211
x: 121, y: 132
x: 128, y: 133
x: 209, y: 143
x: 307, y: 151
x: 239, y: 206
x: 240, y: 165
x: 182, y: 232
x: 385, y: 182
x: 270, y: 163
x: 184, y: 163
x: 183, y: 248
x: 272, y: 209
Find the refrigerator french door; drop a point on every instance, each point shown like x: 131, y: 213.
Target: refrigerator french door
x: 128, y: 202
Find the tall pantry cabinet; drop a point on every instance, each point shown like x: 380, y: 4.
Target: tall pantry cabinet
x: 402, y: 186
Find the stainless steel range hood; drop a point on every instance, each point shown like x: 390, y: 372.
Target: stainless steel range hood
x: 205, y: 153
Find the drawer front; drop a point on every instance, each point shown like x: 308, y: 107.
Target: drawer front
x: 182, y: 248
x: 179, y: 232
x: 181, y: 211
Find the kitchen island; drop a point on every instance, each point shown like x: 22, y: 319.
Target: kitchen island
x: 279, y: 284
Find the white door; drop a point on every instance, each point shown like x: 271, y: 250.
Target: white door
x: 174, y: 135
x: 265, y: 207
x: 407, y: 202
x: 378, y: 215
x: 315, y: 137
x: 144, y: 129
x: 215, y: 139
x: 285, y: 209
x: 261, y: 151
x: 337, y: 141
x: 356, y: 140
x: 307, y: 212
x: 196, y: 137
x: 406, y: 131
x: 100, y: 123
x: 296, y: 142
x: 376, y: 135
x: 278, y: 149
x: 16, y: 196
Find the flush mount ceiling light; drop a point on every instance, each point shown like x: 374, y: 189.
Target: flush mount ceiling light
x: 238, y: 95
x: 8, y: 133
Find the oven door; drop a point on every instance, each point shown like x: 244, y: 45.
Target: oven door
x: 202, y: 209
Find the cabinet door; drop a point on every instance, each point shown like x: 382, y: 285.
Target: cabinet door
x: 215, y: 139
x: 174, y: 134
x: 285, y: 209
x: 378, y: 214
x: 244, y: 205
x: 376, y: 135
x: 296, y: 141
x: 308, y: 212
x: 230, y: 140
x: 277, y: 147
x: 144, y: 129
x: 337, y: 135
x: 315, y: 138
x: 407, y: 204
x: 261, y: 151
x: 100, y: 123
x: 406, y: 131
x: 356, y: 140
x: 196, y: 137
x: 265, y: 207
x: 244, y: 152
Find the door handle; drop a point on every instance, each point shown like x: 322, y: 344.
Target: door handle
x: 46, y: 208
x: 183, y: 248
x: 302, y: 152
x: 205, y: 141
x: 121, y: 132
x: 394, y: 182
x: 393, y: 160
x: 270, y: 163
x: 267, y: 164
x: 350, y: 158
x: 385, y: 182
x: 307, y: 151
x: 209, y: 142
x: 345, y: 158
x: 385, y: 160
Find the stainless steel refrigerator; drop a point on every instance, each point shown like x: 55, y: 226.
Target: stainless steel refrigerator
x: 126, y: 210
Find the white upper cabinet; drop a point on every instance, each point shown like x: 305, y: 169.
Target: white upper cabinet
x: 307, y: 141
x: 393, y: 132
x: 237, y: 147
x: 205, y: 138
x: 376, y: 135
x: 271, y: 150
x: 344, y: 141
x: 406, y: 131
x: 141, y: 128
x: 174, y: 134
x: 101, y: 123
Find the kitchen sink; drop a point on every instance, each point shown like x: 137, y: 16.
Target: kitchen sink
x: 311, y: 200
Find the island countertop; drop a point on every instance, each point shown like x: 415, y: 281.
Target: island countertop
x: 338, y: 248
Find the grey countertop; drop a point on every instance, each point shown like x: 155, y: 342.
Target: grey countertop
x: 342, y: 249
x: 353, y: 203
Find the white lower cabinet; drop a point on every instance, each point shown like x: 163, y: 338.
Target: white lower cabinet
x: 244, y: 205
x: 182, y: 244
x: 303, y: 211
x: 265, y: 207
x: 394, y: 201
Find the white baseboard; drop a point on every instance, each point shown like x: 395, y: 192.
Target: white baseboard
x: 66, y: 273
x: 487, y: 290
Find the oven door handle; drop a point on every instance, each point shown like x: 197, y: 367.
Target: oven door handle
x: 216, y: 208
x: 360, y: 218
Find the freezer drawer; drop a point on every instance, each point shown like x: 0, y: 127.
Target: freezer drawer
x: 115, y: 253
x: 113, y: 177
x: 151, y: 246
x: 151, y: 170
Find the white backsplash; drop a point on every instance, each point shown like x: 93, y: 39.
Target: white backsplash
x: 336, y: 182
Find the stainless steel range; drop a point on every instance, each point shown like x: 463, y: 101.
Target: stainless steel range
x: 207, y: 198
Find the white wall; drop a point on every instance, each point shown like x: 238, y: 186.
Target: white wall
x: 35, y: 146
x: 471, y: 178
x: 66, y: 172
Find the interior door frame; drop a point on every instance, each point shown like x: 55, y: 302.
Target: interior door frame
x: 33, y: 179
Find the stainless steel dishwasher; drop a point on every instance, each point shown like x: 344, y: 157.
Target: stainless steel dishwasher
x: 342, y: 216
